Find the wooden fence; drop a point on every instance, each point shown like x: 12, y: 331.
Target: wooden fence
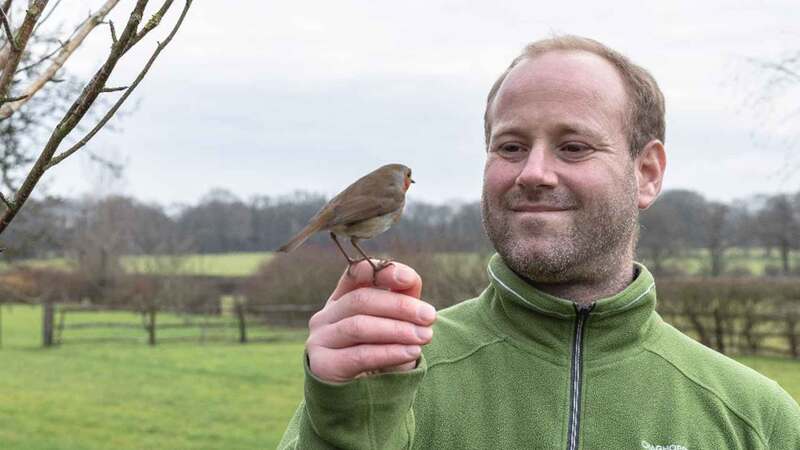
x: 242, y: 319
x: 741, y: 334
x: 776, y: 332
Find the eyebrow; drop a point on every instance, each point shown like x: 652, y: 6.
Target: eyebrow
x: 576, y: 128
x: 561, y: 129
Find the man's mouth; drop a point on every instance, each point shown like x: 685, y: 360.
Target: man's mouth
x: 536, y: 208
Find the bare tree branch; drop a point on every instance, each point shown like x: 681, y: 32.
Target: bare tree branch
x: 5, y: 201
x: 64, y: 53
x: 113, y: 32
x: 121, y: 88
x: 15, y: 54
x: 124, y: 96
x: 79, y: 108
x: 42, y: 59
x: 46, y: 16
x: 155, y: 19
x: 74, y: 115
x: 7, y: 27
x: 4, y: 49
x: 12, y: 99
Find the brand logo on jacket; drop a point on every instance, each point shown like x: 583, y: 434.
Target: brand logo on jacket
x: 649, y: 446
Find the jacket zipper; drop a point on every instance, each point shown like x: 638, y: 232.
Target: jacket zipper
x: 576, y: 376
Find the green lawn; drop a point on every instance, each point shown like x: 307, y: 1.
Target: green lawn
x: 692, y: 262
x: 131, y: 396
x: 185, y: 395
x: 223, y: 264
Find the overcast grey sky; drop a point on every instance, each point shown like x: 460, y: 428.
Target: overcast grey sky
x: 271, y: 97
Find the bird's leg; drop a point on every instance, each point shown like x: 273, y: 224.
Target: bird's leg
x: 350, y: 261
x: 375, y: 269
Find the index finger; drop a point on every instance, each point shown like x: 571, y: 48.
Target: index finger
x: 397, y: 277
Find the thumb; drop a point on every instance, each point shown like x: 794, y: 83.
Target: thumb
x: 398, y: 277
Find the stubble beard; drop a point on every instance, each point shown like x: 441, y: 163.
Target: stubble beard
x: 592, y: 247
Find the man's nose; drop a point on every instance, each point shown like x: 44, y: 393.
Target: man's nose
x: 538, y: 169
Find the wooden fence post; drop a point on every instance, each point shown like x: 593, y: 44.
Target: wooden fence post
x: 791, y: 331
x: 151, y: 327
x: 719, y: 329
x: 47, y: 323
x: 239, y: 305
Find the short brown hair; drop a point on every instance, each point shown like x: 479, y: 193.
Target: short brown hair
x: 645, y: 118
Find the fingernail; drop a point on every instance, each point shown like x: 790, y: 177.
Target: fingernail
x: 413, y: 350
x: 403, y: 276
x: 426, y: 312
x: 423, y: 333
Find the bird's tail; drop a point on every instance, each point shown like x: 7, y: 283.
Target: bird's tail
x: 299, y: 238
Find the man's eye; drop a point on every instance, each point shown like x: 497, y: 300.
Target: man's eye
x: 510, y: 148
x: 575, y: 149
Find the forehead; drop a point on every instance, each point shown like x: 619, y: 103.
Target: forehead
x: 566, y: 82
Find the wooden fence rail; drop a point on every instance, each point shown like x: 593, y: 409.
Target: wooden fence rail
x: 730, y: 333
x: 745, y: 333
x: 242, y: 317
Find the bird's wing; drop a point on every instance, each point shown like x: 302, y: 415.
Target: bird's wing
x: 362, y: 207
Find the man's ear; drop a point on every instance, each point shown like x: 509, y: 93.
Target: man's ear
x: 649, y: 166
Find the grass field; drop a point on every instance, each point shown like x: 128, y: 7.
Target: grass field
x: 693, y: 262
x: 223, y: 264
x: 172, y: 396
x: 132, y: 396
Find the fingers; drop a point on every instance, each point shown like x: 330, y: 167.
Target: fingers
x: 376, y: 302
x: 398, y: 278
x: 340, y: 365
x: 365, y: 328
x: 360, y: 329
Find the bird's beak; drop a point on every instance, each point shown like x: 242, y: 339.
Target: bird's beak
x: 412, y: 180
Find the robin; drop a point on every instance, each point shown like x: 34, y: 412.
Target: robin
x: 367, y: 208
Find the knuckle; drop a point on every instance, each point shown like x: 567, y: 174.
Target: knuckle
x: 358, y: 299
x: 315, y: 320
x: 402, y: 332
x: 353, y: 327
x: 359, y: 357
x: 405, y: 306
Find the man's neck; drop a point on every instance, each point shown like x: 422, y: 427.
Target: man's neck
x: 589, y: 291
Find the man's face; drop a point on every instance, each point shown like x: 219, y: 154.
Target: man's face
x: 559, y: 191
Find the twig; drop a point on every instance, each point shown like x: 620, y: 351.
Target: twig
x: 113, y: 32
x: 43, y: 59
x: 34, y: 11
x: 8, y: 204
x: 7, y: 27
x: 12, y: 99
x: 64, y: 53
x: 74, y: 115
x: 121, y: 88
x: 46, y: 16
x: 121, y: 100
x: 155, y: 19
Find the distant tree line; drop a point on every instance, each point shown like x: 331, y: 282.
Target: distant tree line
x: 92, y: 230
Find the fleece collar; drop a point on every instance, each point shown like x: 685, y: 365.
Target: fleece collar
x: 545, y: 323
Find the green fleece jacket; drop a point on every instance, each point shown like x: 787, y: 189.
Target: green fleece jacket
x: 519, y: 369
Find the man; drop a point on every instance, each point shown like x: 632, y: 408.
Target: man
x: 564, y: 349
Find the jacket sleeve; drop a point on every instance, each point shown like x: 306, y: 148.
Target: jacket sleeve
x: 372, y: 412
x: 785, y: 429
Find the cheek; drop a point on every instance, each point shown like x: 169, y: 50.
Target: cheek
x: 498, y: 176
